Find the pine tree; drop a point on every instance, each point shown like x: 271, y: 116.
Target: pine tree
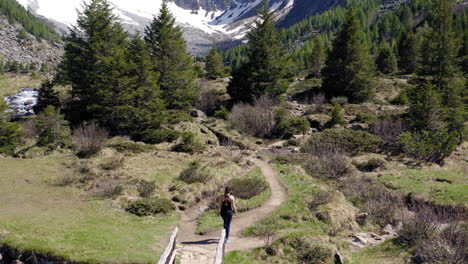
x: 407, y: 52
x: 349, y: 69
x: 318, y: 56
x: 94, y: 63
x: 214, y: 64
x: 265, y: 72
x: 440, y: 45
x: 386, y: 60
x: 171, y: 60
x: 10, y: 132
x: 47, y: 96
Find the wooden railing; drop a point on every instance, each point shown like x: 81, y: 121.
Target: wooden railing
x: 219, y: 258
x: 168, y: 257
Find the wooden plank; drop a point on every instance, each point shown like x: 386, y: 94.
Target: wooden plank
x: 219, y: 258
x: 170, y: 248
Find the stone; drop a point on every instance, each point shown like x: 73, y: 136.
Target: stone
x: 259, y: 142
x: 360, y: 239
x: 339, y: 259
x: 388, y: 230
x: 198, y: 113
x: 361, y: 218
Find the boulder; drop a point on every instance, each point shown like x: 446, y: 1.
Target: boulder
x: 259, y: 142
x: 198, y: 113
x: 388, y: 230
x: 339, y: 259
x: 361, y: 218
x: 359, y: 238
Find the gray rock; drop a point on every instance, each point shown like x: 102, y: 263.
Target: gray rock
x: 259, y: 142
x: 339, y: 259
x: 360, y: 239
x: 361, y: 218
x: 197, y: 113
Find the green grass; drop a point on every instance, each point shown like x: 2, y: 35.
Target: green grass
x: 70, y: 223
x: 423, y: 183
x: 385, y: 253
x: 294, y: 213
x: 11, y: 84
x: 211, y: 219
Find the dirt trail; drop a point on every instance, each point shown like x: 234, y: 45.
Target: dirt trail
x: 194, y: 249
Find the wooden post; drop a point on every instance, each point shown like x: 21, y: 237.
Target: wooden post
x: 168, y: 257
x: 219, y: 258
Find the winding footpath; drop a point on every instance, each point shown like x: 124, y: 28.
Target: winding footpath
x: 201, y: 249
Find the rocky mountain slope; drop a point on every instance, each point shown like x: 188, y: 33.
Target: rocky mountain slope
x: 27, y: 49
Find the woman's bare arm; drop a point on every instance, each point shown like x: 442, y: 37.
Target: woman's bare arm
x: 234, y: 205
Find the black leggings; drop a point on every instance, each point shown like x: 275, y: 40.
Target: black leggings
x: 227, y: 218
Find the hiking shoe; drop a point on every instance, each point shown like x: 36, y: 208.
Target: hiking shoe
x: 228, y: 240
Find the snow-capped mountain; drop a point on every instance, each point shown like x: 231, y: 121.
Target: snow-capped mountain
x: 204, y: 21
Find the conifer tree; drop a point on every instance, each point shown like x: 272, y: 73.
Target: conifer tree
x: 265, y: 72
x: 349, y: 69
x: 171, y: 60
x: 386, y: 60
x: 47, y: 96
x: 318, y: 56
x: 407, y: 52
x: 10, y: 132
x: 94, y: 63
x: 214, y: 64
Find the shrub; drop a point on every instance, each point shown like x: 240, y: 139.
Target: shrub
x: 28, y: 130
x: 388, y: 127
x: 109, y: 188
x: 371, y: 165
x: 401, y: 99
x: 449, y: 246
x: 318, y: 102
x: 113, y: 163
x: 52, y: 127
x: 222, y: 113
x: 351, y: 141
x: 365, y: 118
x: 89, y: 139
x: 296, y: 125
x: 341, y: 100
x: 258, y: 120
x: 247, y: 187
x: 330, y: 163
x: 145, y: 188
x: 267, y: 230
x: 10, y: 135
x: 189, y: 145
x: 323, y: 197
x: 311, y: 251
x: 195, y: 173
x: 150, y: 206
x: 209, y: 100
x: 157, y: 136
x: 431, y: 146
x: 337, y: 117
x: 128, y: 146
x: 418, y: 228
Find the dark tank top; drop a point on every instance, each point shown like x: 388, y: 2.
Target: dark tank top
x: 226, y: 205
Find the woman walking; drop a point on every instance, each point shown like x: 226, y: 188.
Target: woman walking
x: 228, y: 209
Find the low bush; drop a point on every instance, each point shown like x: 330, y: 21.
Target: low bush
x: 309, y: 251
x: 267, y: 230
x: 89, y: 139
x: 331, y: 165
x: 401, y: 99
x: 157, y: 136
x: 195, y: 173
x: 337, y: 117
x: 365, y: 118
x: 145, y: 188
x: 323, y: 197
x: 431, y: 146
x: 209, y: 100
x: 150, y: 206
x: 109, y: 188
x: 296, y: 125
x: 247, y: 187
x: 129, y: 146
x: 113, y: 163
x: 351, y: 141
x: 222, y: 113
x: 388, y: 127
x: 189, y: 144
x: 371, y: 165
x: 318, y: 103
x: 28, y: 130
